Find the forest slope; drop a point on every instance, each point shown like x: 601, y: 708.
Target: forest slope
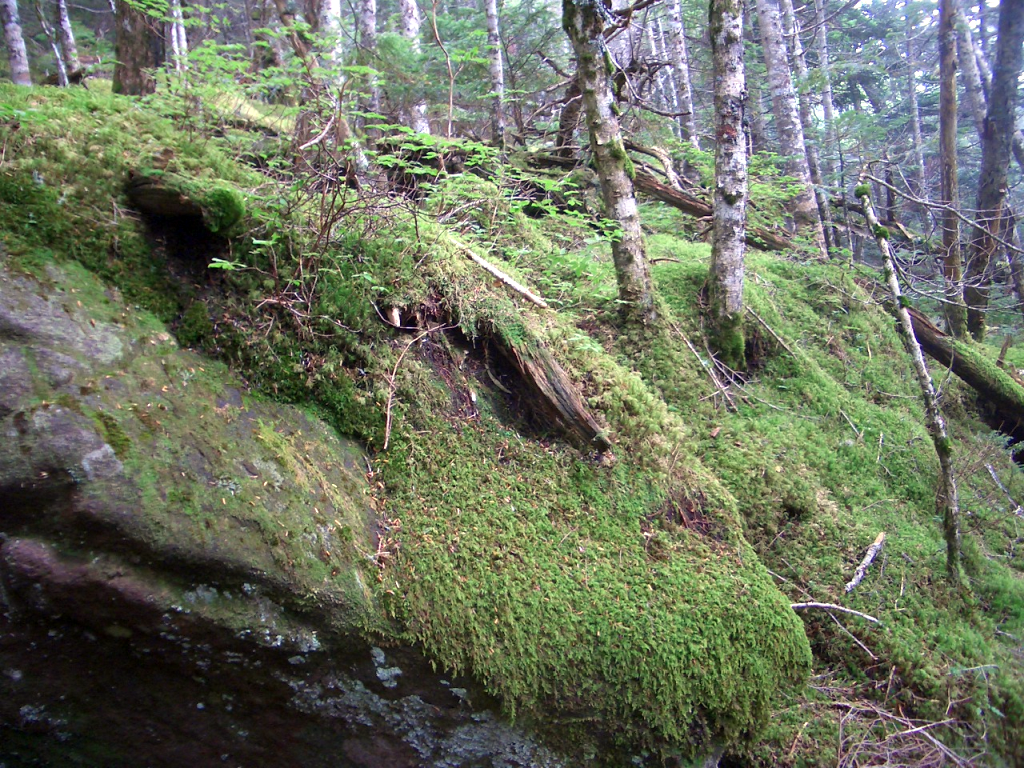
x: 635, y: 598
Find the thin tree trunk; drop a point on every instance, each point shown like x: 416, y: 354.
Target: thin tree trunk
x: 179, y: 39
x: 787, y: 123
x: 584, y: 25
x: 792, y: 30
x: 947, y: 504
x: 681, y: 73
x: 67, y: 37
x: 497, y: 73
x: 139, y: 48
x: 411, y: 22
x: 921, y: 188
x: 329, y: 25
x: 949, y: 195
x: 667, y: 80
x: 996, y: 144
x: 757, y: 141
x: 827, y: 103
x: 725, y: 276
x: 367, y: 27
x: 17, y: 54
x: 569, y: 120
x: 51, y: 38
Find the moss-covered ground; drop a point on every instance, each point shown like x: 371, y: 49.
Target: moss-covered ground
x: 641, y: 595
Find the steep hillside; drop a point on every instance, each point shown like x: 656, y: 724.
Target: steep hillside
x: 603, y: 529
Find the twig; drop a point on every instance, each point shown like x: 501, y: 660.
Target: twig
x: 772, y: 332
x: 849, y: 634
x: 855, y: 430
x: 515, y: 286
x: 729, y: 404
x: 1018, y: 511
x: 872, y: 553
x: 318, y: 139
x: 834, y: 607
x: 391, y: 380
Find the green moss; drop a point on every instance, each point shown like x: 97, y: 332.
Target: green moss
x: 881, y: 232
x: 113, y: 435
x: 862, y: 190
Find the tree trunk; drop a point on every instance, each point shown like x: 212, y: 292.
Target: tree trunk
x: 17, y: 55
x: 792, y: 30
x: 411, y: 21
x: 996, y: 143
x: 947, y: 504
x: 787, y: 123
x: 329, y: 24
x: 584, y: 25
x: 949, y: 195
x: 827, y: 104
x: 67, y: 38
x: 569, y: 120
x: 139, y: 47
x: 497, y: 73
x: 179, y: 39
x: 666, y: 83
x: 51, y: 38
x: 681, y: 73
x: 725, y: 276
x: 755, y: 112
x: 921, y: 188
x: 367, y: 27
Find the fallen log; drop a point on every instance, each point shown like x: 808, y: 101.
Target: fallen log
x: 756, y: 237
x: 995, y: 386
x: 553, y: 395
x: 168, y: 194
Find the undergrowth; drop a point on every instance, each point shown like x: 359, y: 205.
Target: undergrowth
x: 641, y: 595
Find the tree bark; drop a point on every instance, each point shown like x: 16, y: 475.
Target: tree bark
x: 827, y: 103
x: 67, y: 37
x: 179, y: 38
x: 792, y: 30
x: 787, y: 123
x: 367, y: 27
x: 139, y: 47
x: 725, y: 276
x: 584, y: 25
x: 947, y: 504
x: 757, y: 141
x: 681, y: 73
x: 17, y: 54
x: 497, y: 69
x: 949, y: 195
x: 996, y: 144
x: 51, y: 37
x: 921, y: 187
x: 411, y: 22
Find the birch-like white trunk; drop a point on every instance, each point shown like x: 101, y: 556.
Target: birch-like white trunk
x: 725, y: 277
x: 179, y: 38
x: 792, y: 30
x: 51, y: 37
x: 827, y: 103
x: 67, y: 37
x: 367, y: 27
x: 668, y: 99
x: 787, y: 122
x: 17, y: 54
x: 494, y: 58
x: 947, y: 503
x: 584, y: 25
x: 412, y: 21
x: 681, y: 72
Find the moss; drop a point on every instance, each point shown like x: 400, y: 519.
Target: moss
x: 881, y: 232
x: 862, y: 190
x: 195, y: 327
x: 113, y: 435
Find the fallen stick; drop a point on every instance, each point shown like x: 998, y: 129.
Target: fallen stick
x: 515, y: 286
x: 872, y: 553
x: 833, y: 607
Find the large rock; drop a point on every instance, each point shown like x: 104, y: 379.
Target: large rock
x: 185, y: 569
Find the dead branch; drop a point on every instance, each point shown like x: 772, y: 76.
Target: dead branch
x: 872, y: 553
x: 493, y: 270
x: 834, y: 607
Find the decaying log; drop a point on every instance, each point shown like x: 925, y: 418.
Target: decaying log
x: 757, y: 237
x: 872, y: 553
x: 995, y: 386
x: 168, y: 194
x: 555, y: 397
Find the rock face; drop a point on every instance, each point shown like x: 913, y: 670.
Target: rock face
x: 185, y: 570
